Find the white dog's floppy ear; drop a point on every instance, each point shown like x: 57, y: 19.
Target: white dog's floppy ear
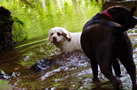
x: 49, y: 36
x: 67, y: 35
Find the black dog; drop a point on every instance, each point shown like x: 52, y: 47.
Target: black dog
x: 104, y: 40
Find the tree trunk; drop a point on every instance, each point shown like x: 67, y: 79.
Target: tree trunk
x: 6, y: 23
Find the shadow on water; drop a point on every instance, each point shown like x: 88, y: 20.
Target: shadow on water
x: 67, y: 71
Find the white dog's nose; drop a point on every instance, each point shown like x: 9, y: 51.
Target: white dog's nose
x: 54, y: 38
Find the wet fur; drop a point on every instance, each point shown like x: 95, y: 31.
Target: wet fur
x: 67, y: 41
x: 104, y: 41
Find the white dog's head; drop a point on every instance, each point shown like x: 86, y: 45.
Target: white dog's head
x: 57, y: 36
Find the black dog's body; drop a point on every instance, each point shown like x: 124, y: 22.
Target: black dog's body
x: 104, y: 40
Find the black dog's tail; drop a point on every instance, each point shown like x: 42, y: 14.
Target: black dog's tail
x: 129, y: 20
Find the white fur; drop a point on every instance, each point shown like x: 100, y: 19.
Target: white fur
x: 63, y: 43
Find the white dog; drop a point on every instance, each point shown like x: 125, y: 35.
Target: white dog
x: 64, y: 40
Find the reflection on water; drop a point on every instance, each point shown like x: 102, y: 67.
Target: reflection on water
x: 68, y: 71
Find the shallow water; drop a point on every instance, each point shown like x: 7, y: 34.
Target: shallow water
x: 68, y: 71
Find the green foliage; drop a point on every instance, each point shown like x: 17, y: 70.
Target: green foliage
x: 4, y: 85
x: 18, y: 33
x: 33, y: 18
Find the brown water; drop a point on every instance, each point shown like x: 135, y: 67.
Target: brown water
x: 68, y: 71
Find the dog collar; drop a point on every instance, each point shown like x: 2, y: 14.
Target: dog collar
x: 108, y: 14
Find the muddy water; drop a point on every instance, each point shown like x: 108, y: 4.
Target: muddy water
x: 67, y: 71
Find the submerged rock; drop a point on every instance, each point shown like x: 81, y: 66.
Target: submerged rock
x: 76, y: 59
x: 41, y: 65
x: 3, y: 75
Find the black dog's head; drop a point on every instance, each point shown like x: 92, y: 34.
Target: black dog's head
x: 121, y: 14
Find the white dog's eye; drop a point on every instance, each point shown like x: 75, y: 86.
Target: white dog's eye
x: 51, y: 34
x: 58, y: 33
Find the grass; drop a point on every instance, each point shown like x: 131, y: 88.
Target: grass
x: 4, y: 85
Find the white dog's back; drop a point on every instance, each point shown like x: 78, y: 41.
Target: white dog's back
x: 74, y: 44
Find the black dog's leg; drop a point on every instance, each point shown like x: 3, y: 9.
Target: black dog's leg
x: 130, y: 67
x: 106, y: 70
x: 116, y: 67
x: 88, y: 51
x: 93, y: 63
x: 105, y: 61
x: 94, y: 67
x: 126, y: 58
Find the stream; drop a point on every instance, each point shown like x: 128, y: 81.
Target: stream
x: 67, y: 72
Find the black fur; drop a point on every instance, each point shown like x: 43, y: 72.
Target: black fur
x: 104, y: 41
